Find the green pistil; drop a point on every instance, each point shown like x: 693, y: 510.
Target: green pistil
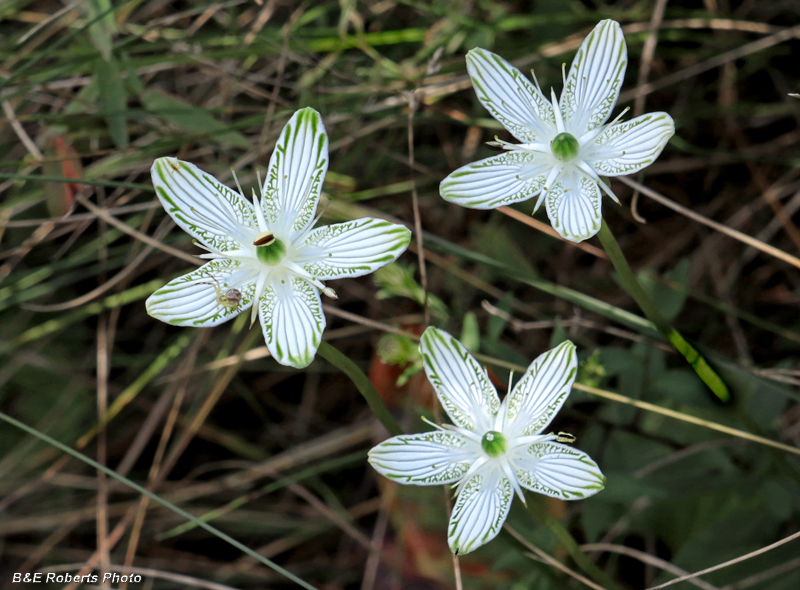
x: 565, y: 147
x: 271, y: 254
x: 494, y: 443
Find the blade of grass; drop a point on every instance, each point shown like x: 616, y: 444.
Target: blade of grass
x: 169, y: 505
x: 363, y: 384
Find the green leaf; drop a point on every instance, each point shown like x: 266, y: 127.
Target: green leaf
x: 191, y: 119
x: 102, y: 30
x: 470, y: 332
x: 669, y: 300
x: 113, y: 100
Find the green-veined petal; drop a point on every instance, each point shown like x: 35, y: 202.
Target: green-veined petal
x: 573, y: 206
x: 625, y: 148
x: 480, y: 510
x: 292, y: 320
x: 539, y: 394
x: 557, y: 470
x: 297, y: 168
x: 509, y: 177
x: 353, y: 248
x: 429, y: 458
x: 594, y: 80
x: 510, y: 97
x: 194, y: 299
x: 459, y: 381
x: 219, y: 218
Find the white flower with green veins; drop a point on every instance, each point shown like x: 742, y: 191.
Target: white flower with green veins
x: 493, y: 449
x: 267, y: 255
x: 566, y: 144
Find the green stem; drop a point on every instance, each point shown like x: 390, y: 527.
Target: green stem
x: 632, y: 286
x: 364, y: 385
x: 214, y: 531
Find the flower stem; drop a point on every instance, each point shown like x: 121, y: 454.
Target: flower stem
x: 634, y: 288
x: 364, y: 385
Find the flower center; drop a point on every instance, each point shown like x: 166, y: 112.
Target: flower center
x: 269, y: 249
x: 565, y: 147
x: 494, y: 443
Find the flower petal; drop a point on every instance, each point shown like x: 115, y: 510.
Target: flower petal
x: 539, y: 395
x: 625, y: 148
x: 194, y: 299
x: 429, y: 458
x: 219, y: 218
x: 480, y: 510
x: 510, y: 177
x: 297, y: 168
x: 353, y: 248
x: 557, y: 470
x: 292, y: 321
x: 510, y: 97
x: 573, y: 206
x: 460, y: 382
x: 593, y: 83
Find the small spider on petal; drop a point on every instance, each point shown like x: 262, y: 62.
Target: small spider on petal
x: 493, y: 449
x: 266, y: 254
x: 566, y: 144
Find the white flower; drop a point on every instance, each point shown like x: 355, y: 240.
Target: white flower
x: 494, y: 449
x: 566, y: 145
x: 267, y: 254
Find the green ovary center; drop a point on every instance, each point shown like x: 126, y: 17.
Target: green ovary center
x: 565, y: 147
x: 271, y: 254
x: 494, y: 443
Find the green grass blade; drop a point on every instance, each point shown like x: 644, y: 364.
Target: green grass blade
x: 169, y: 505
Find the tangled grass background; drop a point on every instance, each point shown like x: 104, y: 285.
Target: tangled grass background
x: 93, y: 91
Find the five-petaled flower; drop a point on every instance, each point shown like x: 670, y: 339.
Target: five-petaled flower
x: 267, y: 254
x: 494, y: 448
x: 566, y: 145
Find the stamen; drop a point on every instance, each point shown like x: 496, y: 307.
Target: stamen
x: 565, y: 437
x: 552, y: 178
x: 451, y: 428
x: 239, y: 186
x: 592, y: 174
x: 512, y: 477
x: 501, y: 143
x: 473, y: 469
x: 557, y: 112
x: 304, y: 274
x: 211, y: 223
x: 203, y: 246
x: 265, y: 238
x: 262, y: 279
x: 535, y: 80
x: 262, y: 223
x: 591, y: 135
x: 330, y: 293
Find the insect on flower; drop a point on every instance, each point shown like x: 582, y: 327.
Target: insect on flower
x: 567, y: 147
x: 266, y: 255
x: 230, y: 298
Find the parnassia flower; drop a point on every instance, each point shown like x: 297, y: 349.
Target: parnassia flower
x: 267, y: 255
x: 493, y: 449
x: 566, y: 144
